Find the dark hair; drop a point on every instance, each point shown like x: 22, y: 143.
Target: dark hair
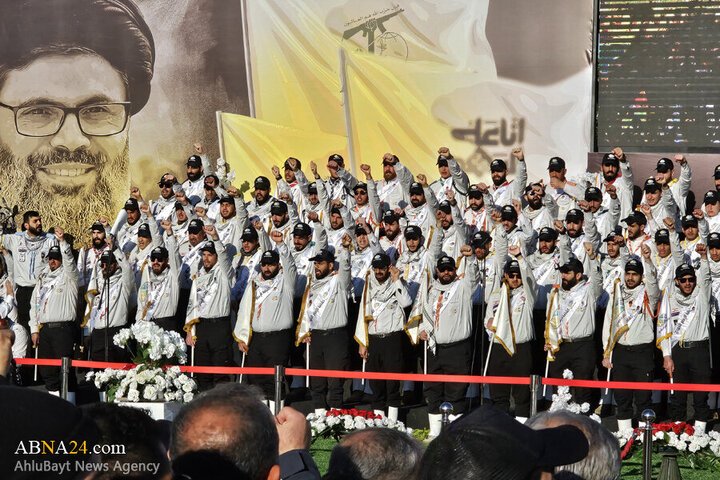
x: 375, y: 454
x: 28, y: 215
x: 254, y: 439
x: 136, y: 432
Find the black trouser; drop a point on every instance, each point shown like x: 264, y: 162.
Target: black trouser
x: 385, y: 354
x: 449, y: 359
x: 22, y: 297
x: 633, y: 363
x: 579, y: 357
x: 480, y: 340
x: 267, y: 349
x: 167, y: 323
x: 504, y: 365
x: 353, y: 357
x: 97, y: 346
x: 328, y: 351
x: 56, y: 341
x: 297, y: 353
x: 538, y: 353
x: 213, y: 347
x: 692, y: 365
x: 183, y: 300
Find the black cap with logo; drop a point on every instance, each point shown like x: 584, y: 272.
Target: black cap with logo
x: 196, y: 226
x: 194, y: 161
x: 684, y: 270
x: 159, y: 253
x: 498, y: 165
x: 574, y: 215
x: 131, y: 205
x: 572, y: 265
x: 445, y: 262
x: 547, y: 234
x: 278, y: 207
x: 144, y: 231
x: 556, y: 164
x: 664, y: 164
x: 634, y: 265
x: 249, y: 235
x: 381, y: 260
x: 270, y: 257
x: 261, y: 183
x: 662, y: 236
x: 324, y: 255
x: 302, y: 229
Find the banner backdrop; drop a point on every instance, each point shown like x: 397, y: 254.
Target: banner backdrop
x: 409, y: 77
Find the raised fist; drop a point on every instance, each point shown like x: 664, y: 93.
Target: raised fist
x: 679, y: 158
x: 422, y: 180
x: 514, y: 250
x: 275, y: 171
x: 518, y: 153
x: 276, y: 236
x: 210, y: 231
x: 466, y: 250
x: 313, y: 217
x: 483, y: 188
x: 697, y: 213
x: 60, y: 234
x: 346, y: 240
x: 445, y: 152
x: 611, y: 190
x: 257, y: 225
x: 233, y: 191
x: 617, y: 151
x: 645, y: 251
x: 559, y: 226
x: 198, y: 148
x: 588, y: 246
x: 166, y: 225
x: 669, y: 223
x: 701, y: 249
x: 135, y: 193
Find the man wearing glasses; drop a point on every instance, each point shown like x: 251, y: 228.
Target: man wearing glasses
x: 67, y: 93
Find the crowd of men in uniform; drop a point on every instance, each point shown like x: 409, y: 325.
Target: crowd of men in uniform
x: 395, y: 274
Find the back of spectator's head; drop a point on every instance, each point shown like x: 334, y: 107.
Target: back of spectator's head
x: 138, y: 434
x: 603, y: 458
x: 375, y: 454
x: 34, y: 416
x: 488, y: 443
x: 232, y: 420
x: 206, y: 465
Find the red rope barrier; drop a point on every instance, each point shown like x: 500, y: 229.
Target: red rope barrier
x: 418, y: 377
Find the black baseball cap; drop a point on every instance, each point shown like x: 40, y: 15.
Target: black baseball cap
x: 159, y: 253
x: 360, y: 230
x: 97, y: 227
x: 547, y: 234
x: 288, y: 167
x: 572, y: 265
x: 474, y: 192
x: 54, y: 253
x: 312, y: 188
x: 144, y: 231
x: 556, y: 164
x: 442, y: 161
x: 249, y: 235
x: 512, y: 266
x: 194, y: 161
x: 335, y: 211
x: 610, y: 159
x: 416, y: 189
x: 662, y: 236
x: 324, y: 255
x: 508, y: 213
x: 108, y: 257
x: 498, y: 165
x: 179, y: 206
x: 446, y: 262
x: 574, y: 215
x: 270, y: 257
x: 480, y: 239
x: 635, y: 216
x: 717, y: 172
x: 684, y: 270
x: 634, y: 265
x: 132, y: 205
x: 262, y: 183
x: 337, y: 159
x: 500, y: 447
x: 227, y: 199
x: 445, y: 207
x: 389, y: 217
x: 196, y: 225
x: 391, y: 163
x: 664, y: 164
x: 209, y: 247
x: 651, y: 185
x: 413, y: 232
x: 360, y: 185
x: 713, y: 196
x: 713, y: 240
x: 593, y: 193
x: 689, y: 221
x: 302, y: 229
x: 278, y: 207
x: 381, y: 260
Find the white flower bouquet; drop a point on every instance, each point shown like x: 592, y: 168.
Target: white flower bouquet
x: 152, y: 379
x: 334, y: 423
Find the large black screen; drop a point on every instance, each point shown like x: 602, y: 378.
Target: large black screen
x: 658, y: 75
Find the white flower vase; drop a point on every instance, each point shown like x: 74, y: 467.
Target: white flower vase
x: 156, y: 410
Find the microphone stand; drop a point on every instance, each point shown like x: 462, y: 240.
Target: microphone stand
x: 107, y: 317
x: 478, y: 330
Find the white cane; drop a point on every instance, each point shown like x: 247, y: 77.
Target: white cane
x: 547, y: 367
x: 363, y: 370
x: 487, y: 359
x: 242, y: 365
x: 425, y: 358
x: 307, y: 364
x: 608, y: 378
x: 672, y: 392
x: 192, y: 351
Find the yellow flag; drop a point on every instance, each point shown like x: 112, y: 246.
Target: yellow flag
x: 252, y: 146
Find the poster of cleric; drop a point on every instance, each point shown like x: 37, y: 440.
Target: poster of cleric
x: 105, y: 93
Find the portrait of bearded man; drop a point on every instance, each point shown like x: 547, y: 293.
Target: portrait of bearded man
x: 72, y: 75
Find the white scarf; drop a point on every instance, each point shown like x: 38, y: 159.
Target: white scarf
x: 151, y: 294
x: 505, y: 311
x: 625, y: 307
x: 672, y: 324
x: 387, y: 187
x: 254, y: 297
x: 46, y: 288
x: 432, y: 311
x: 315, y: 301
x: 97, y: 314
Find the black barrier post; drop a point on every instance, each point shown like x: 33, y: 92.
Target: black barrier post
x: 279, y: 372
x: 446, y: 409
x: 648, y: 416
x: 64, y: 377
x: 534, y: 390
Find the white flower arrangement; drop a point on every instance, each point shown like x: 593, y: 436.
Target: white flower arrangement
x: 335, y: 423
x: 562, y: 399
x: 152, y: 379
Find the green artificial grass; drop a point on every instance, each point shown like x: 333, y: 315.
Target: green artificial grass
x: 631, y: 468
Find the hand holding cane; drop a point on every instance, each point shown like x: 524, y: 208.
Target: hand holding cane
x: 192, y: 350
x: 307, y: 363
x: 242, y: 365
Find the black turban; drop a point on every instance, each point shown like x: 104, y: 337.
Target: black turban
x: 114, y: 29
